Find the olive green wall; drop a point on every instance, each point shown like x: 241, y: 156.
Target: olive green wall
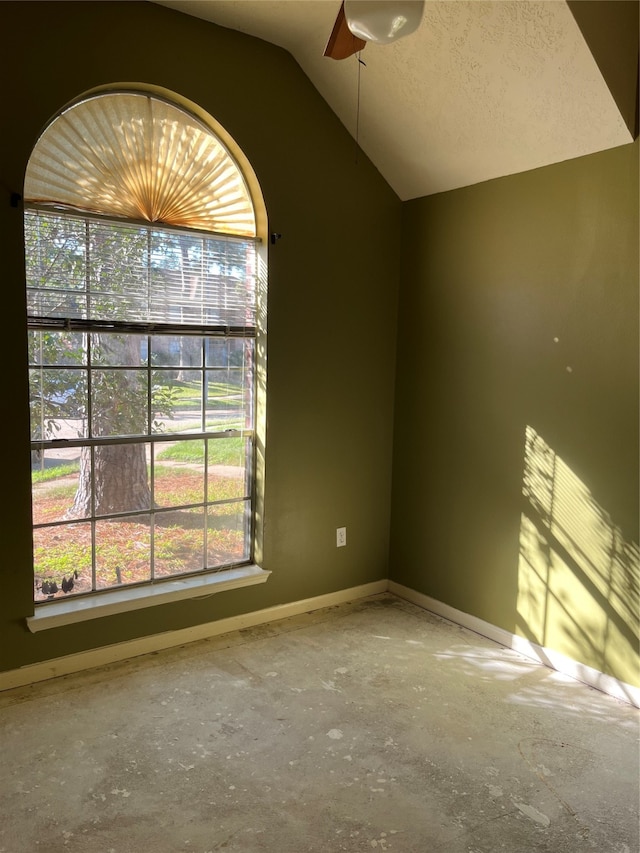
x: 519, y: 308
x: 331, y: 312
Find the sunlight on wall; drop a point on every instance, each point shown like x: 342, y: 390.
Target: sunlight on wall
x: 578, y: 580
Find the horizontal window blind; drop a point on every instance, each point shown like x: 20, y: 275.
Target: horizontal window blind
x: 110, y: 272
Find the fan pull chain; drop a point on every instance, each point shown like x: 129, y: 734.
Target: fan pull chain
x: 360, y: 64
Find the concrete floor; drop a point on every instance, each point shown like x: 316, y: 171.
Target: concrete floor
x: 369, y: 726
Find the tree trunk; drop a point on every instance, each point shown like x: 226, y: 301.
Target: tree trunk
x: 121, y: 483
x: 120, y: 470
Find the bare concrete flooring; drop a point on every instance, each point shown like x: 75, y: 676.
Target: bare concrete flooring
x: 369, y: 726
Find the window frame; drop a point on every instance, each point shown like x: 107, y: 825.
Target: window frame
x: 81, y: 606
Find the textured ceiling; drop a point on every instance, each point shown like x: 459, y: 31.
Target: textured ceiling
x: 481, y: 90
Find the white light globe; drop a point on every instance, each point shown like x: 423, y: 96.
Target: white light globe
x: 383, y: 21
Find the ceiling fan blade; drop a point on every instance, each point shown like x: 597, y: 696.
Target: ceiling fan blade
x: 342, y: 42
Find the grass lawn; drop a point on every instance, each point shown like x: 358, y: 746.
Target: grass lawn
x: 222, y: 451
x: 54, y: 473
x: 188, y: 395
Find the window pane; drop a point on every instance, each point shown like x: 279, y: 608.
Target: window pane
x: 52, y: 347
x: 176, y: 351
x: 226, y: 399
x: 123, y: 551
x: 178, y: 542
x: 227, y: 533
x: 200, y: 280
x: 227, y: 468
x: 229, y: 385
x: 176, y: 402
x: 118, y: 350
x: 58, y: 403
x: 55, y: 251
x: 59, y: 554
x: 56, y: 303
x: 179, y: 473
x: 121, y: 478
x: 118, y: 269
x: 55, y: 477
x: 119, y: 402
x: 225, y: 352
x: 228, y: 284
x: 177, y: 277
x: 39, y: 428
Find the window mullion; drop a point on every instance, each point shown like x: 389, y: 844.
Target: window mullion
x: 92, y: 479
x: 41, y: 406
x: 204, y: 393
x: 94, y: 568
x: 152, y: 466
x: 204, y: 384
x: 91, y: 454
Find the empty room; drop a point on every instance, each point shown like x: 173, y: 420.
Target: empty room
x: 320, y: 515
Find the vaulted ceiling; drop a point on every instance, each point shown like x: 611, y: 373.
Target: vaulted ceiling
x: 479, y: 91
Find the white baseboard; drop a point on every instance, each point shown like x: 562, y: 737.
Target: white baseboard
x: 92, y: 658
x: 541, y: 654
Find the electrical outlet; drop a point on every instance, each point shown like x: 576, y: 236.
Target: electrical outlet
x: 341, y: 537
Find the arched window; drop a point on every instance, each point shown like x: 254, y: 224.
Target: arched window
x: 142, y: 263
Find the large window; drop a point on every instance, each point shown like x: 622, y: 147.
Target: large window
x: 141, y: 349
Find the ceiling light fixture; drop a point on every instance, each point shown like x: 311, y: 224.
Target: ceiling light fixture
x: 379, y: 21
x: 383, y: 22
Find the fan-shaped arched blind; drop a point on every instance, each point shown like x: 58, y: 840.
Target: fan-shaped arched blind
x: 135, y: 156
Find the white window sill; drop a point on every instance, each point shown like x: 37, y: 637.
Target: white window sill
x: 71, y: 610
